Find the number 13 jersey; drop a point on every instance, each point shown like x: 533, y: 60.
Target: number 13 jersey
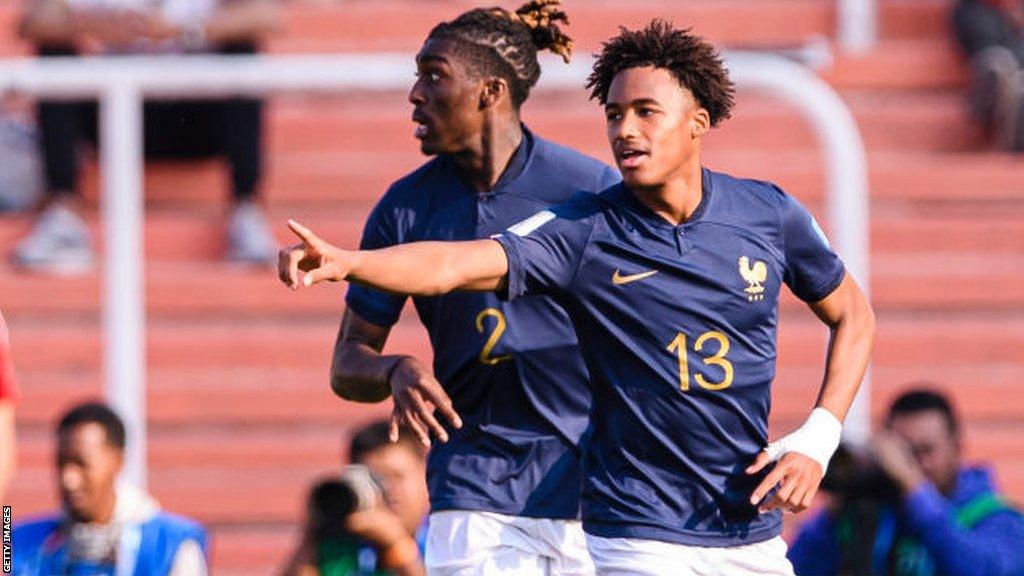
x: 677, y: 324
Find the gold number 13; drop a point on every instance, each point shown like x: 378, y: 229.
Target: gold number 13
x: 678, y: 345
x: 492, y: 340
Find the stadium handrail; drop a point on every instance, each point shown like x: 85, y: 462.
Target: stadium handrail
x: 120, y: 83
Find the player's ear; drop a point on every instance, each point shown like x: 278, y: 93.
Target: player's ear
x: 700, y: 123
x: 494, y: 90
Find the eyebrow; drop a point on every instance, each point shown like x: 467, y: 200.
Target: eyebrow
x: 431, y: 59
x: 637, y: 102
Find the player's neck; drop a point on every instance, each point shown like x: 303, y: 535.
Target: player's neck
x: 482, y: 166
x: 678, y: 198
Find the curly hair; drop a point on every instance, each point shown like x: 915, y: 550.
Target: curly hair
x: 496, y: 42
x: 694, y: 63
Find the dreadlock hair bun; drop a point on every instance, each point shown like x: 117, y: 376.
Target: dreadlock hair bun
x: 542, y: 18
x: 497, y: 42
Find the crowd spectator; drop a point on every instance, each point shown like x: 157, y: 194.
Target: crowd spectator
x: 229, y: 128
x: 991, y: 34
x: 105, y: 527
x: 386, y: 533
x: 910, y: 507
x: 8, y: 398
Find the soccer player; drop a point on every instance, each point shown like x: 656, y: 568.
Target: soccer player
x: 672, y: 281
x: 509, y: 476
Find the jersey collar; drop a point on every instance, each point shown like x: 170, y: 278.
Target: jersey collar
x: 629, y: 200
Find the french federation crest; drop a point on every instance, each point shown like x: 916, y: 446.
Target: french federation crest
x: 755, y: 276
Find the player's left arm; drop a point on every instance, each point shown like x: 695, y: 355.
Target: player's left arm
x: 803, y: 455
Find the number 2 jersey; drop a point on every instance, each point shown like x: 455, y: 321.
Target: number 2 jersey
x: 677, y: 324
x: 513, y: 370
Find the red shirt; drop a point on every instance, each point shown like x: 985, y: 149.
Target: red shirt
x: 8, y: 385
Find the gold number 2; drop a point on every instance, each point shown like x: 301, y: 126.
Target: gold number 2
x: 499, y: 328
x: 678, y: 345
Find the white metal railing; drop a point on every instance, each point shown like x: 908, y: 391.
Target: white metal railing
x: 120, y: 84
x: 857, y: 26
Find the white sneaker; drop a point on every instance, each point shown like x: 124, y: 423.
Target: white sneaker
x: 249, y: 237
x: 59, y: 243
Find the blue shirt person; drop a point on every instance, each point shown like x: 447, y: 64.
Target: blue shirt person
x: 943, y: 519
x: 512, y: 370
x: 678, y: 324
x: 105, y: 528
x: 507, y: 399
x: 672, y: 283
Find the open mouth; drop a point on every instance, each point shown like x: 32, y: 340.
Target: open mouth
x: 631, y: 157
x: 422, y: 126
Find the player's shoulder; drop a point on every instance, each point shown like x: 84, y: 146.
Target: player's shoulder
x: 575, y: 215
x: 749, y: 193
x: 556, y: 162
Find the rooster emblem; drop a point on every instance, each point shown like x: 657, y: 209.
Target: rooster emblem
x: 755, y: 276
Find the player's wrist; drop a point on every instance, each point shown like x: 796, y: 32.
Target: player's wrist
x: 817, y: 438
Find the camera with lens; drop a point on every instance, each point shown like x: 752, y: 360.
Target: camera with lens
x: 334, y: 499
x: 854, y: 474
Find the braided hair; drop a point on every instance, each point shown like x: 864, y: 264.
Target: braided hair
x: 496, y: 42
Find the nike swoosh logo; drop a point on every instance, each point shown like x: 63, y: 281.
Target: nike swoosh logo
x: 619, y: 279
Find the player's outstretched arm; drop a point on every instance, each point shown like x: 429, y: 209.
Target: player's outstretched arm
x: 803, y: 455
x: 417, y: 269
x: 359, y: 372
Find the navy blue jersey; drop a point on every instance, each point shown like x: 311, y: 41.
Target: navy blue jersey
x: 512, y: 370
x: 677, y: 325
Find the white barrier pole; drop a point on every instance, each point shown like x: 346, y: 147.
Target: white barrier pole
x: 857, y: 26
x: 124, y: 308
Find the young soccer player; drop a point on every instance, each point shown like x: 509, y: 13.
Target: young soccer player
x: 510, y: 475
x: 672, y: 281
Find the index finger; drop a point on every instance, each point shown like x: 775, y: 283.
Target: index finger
x: 767, y: 484
x: 305, y: 234
x: 442, y: 403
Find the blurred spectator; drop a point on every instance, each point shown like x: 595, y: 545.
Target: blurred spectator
x: 105, y: 528
x: 8, y: 397
x: 21, y: 175
x: 374, y: 523
x: 230, y: 128
x: 991, y: 33
x: 910, y: 508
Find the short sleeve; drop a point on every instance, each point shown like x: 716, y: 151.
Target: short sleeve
x: 375, y: 306
x: 545, y: 250
x: 813, y: 270
x: 8, y: 385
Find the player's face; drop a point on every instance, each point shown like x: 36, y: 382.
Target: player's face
x: 402, y: 471
x: 935, y: 447
x: 87, y: 467
x: 654, y: 126
x: 445, y: 99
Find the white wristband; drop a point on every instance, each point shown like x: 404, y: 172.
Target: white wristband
x: 817, y: 439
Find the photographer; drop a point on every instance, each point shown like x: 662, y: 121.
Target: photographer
x: 371, y: 519
x: 909, y: 507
